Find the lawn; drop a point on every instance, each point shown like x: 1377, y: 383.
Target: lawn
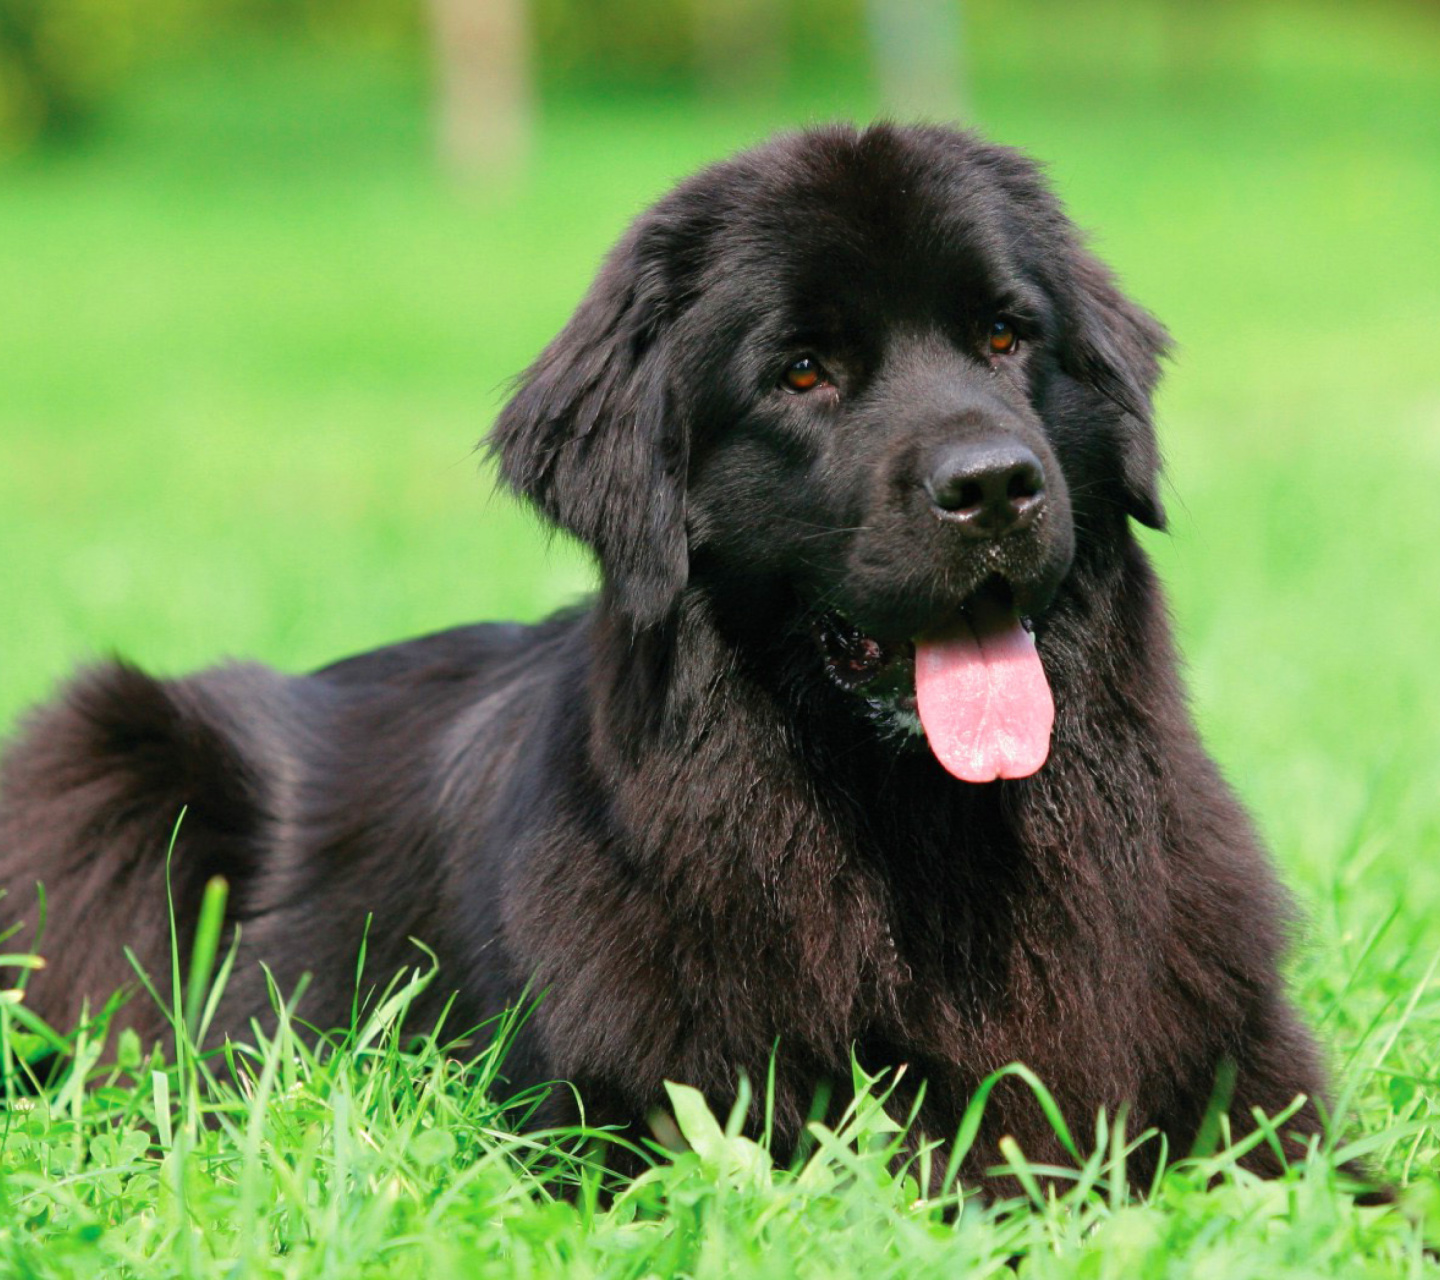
x: 247, y: 347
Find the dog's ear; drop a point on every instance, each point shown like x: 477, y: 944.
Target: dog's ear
x: 1115, y: 347
x: 591, y: 438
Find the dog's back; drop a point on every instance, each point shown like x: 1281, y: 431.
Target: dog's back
x: 269, y: 781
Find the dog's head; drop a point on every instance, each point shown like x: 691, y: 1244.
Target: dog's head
x: 865, y: 390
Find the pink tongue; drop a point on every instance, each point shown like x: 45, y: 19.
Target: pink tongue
x: 983, y: 697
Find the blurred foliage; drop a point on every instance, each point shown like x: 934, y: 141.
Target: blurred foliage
x: 654, y: 41
x: 59, y: 59
x: 63, y: 61
x: 374, y: 23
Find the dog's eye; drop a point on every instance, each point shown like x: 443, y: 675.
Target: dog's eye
x: 1003, y: 338
x: 804, y: 375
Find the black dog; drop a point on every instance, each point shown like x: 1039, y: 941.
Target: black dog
x: 872, y: 742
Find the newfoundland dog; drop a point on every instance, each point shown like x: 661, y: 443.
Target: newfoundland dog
x: 872, y: 742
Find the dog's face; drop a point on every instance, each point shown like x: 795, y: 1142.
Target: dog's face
x: 865, y: 390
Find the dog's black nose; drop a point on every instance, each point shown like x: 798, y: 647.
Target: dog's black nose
x: 987, y: 488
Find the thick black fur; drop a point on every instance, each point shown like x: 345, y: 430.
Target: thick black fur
x: 661, y: 810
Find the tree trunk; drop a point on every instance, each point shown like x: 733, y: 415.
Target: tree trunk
x: 484, y: 91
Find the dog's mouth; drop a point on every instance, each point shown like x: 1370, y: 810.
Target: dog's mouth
x: 972, y: 685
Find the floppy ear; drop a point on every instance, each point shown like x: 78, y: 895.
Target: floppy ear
x: 589, y: 437
x: 1115, y: 347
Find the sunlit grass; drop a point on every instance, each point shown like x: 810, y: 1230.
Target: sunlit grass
x: 373, y: 1151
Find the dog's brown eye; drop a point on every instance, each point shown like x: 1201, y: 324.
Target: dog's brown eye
x: 804, y: 375
x: 1003, y: 338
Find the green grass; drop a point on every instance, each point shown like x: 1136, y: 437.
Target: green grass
x: 247, y: 346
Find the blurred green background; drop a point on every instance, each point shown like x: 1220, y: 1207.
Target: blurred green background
x: 252, y: 327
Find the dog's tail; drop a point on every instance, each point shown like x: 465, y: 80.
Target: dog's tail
x: 91, y: 797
